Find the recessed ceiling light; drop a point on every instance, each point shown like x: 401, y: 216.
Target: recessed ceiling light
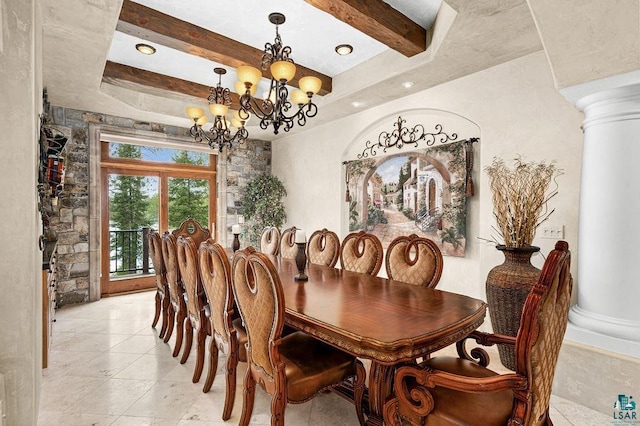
x: 344, y: 49
x: 407, y: 84
x: 356, y: 104
x: 145, y: 48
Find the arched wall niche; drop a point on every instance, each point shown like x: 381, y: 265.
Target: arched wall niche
x: 376, y: 201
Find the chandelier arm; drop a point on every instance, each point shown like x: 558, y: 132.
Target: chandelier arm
x: 250, y: 104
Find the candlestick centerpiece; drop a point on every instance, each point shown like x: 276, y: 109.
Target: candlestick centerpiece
x: 235, y: 230
x: 301, y: 255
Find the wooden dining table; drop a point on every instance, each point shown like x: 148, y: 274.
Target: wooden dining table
x: 385, y: 321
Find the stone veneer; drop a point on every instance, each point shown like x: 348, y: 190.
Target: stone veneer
x: 72, y: 222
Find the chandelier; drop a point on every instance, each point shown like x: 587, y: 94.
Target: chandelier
x: 220, y: 134
x: 276, y: 109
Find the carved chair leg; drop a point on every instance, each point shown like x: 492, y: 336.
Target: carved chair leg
x: 158, y: 308
x: 188, y: 330
x: 248, y: 398
x: 213, y: 366
x: 165, y: 311
x: 358, y: 390
x: 278, y: 405
x: 179, y: 332
x: 230, y: 375
x: 201, y: 338
x: 171, y: 319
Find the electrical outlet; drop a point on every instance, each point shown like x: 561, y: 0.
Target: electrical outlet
x: 552, y: 232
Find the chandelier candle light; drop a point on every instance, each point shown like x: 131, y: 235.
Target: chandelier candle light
x: 220, y: 134
x: 274, y: 109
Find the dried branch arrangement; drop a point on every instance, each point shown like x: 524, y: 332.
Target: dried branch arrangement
x: 520, y: 197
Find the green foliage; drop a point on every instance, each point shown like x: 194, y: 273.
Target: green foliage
x: 353, y: 215
x: 375, y: 216
x: 262, y: 205
x: 404, y: 175
x: 188, y: 197
x: 450, y: 235
x: 128, y: 207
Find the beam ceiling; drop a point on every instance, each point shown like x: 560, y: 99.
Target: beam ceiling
x: 124, y: 76
x: 379, y: 21
x: 156, y: 27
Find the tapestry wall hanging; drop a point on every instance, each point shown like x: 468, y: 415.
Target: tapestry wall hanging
x: 420, y: 187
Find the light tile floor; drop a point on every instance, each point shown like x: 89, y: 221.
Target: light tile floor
x: 108, y: 367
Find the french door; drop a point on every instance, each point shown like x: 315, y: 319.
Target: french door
x: 139, y: 194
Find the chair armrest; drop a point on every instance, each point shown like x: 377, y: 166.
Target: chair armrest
x: 479, y: 355
x: 415, y: 402
x: 432, y: 378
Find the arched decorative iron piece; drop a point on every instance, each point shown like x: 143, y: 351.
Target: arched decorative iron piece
x: 401, y: 136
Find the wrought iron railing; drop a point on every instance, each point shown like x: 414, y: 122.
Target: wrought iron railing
x: 129, y: 252
x: 427, y: 220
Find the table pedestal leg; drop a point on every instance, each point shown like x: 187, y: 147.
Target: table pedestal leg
x: 380, y: 387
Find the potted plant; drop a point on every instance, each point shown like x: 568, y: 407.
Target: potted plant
x: 262, y: 206
x: 520, y: 196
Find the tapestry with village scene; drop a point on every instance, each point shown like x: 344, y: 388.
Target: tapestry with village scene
x: 420, y: 192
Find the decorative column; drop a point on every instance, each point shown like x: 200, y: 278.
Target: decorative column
x: 607, y: 314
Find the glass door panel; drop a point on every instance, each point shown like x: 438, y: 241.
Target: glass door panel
x: 188, y: 198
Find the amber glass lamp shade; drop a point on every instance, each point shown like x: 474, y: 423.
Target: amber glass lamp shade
x: 283, y: 70
x: 299, y: 97
x: 310, y: 84
x: 194, y: 113
x: 202, y: 120
x: 249, y: 74
x: 218, y: 110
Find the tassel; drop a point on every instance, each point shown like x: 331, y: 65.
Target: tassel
x: 347, y: 197
x: 470, y: 192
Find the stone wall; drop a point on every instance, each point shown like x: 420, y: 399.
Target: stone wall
x: 72, y: 222
x: 243, y: 165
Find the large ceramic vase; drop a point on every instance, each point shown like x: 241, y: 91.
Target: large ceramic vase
x: 508, y: 286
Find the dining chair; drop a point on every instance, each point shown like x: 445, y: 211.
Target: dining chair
x: 227, y: 333
x: 270, y: 240
x: 194, y: 298
x: 294, y: 368
x: 361, y: 252
x: 463, y: 391
x: 288, y: 247
x: 162, y: 288
x: 177, y: 312
x: 415, y: 260
x: 323, y: 248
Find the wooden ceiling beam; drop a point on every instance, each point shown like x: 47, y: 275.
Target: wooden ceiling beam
x: 379, y: 21
x: 115, y: 73
x: 156, y: 27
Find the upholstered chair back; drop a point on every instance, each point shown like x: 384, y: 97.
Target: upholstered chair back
x: 323, y: 248
x: 414, y: 260
x: 215, y: 270
x: 260, y: 300
x: 155, y: 250
x: 192, y: 228
x: 187, y: 254
x: 361, y: 252
x: 270, y: 240
x: 288, y: 247
x: 169, y: 256
x: 542, y: 327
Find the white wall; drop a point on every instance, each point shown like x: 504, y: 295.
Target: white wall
x: 518, y: 111
x: 20, y: 259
